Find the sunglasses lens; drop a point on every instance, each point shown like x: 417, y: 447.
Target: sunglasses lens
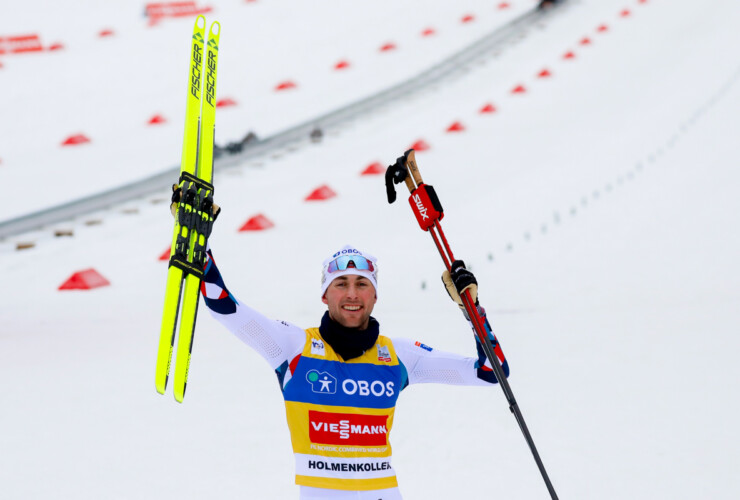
x: 343, y: 262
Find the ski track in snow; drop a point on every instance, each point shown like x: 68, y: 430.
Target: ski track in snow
x: 598, y: 210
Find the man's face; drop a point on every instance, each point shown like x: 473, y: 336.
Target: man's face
x: 350, y: 299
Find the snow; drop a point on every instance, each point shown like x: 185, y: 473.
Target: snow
x: 109, y: 88
x: 598, y: 211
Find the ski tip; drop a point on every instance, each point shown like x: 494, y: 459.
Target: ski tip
x: 215, y: 29
x: 200, y: 22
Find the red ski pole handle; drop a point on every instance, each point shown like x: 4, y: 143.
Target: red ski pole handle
x: 426, y: 206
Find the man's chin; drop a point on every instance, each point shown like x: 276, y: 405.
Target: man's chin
x: 351, y: 322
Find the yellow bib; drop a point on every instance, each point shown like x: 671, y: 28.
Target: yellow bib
x: 340, y: 415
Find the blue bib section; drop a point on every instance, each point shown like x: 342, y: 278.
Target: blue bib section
x: 335, y: 383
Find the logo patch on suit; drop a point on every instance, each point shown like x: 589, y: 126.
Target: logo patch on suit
x: 317, y: 347
x: 348, y: 429
x: 384, y: 353
x: 322, y: 382
x: 423, y: 346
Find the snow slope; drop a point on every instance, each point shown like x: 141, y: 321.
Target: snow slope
x: 598, y: 210
x: 108, y: 88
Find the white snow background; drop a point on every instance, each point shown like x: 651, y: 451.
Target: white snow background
x: 599, y: 210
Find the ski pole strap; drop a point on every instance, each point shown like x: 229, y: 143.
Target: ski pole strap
x: 396, y: 174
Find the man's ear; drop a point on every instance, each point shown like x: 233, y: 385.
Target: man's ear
x: 324, y: 299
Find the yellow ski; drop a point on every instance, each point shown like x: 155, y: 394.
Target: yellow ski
x: 194, y: 217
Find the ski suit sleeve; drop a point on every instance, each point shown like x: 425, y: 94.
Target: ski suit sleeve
x: 427, y: 365
x: 276, y: 341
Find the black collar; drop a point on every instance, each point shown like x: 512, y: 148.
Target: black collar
x: 349, y: 342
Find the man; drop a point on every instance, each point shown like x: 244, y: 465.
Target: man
x: 340, y: 381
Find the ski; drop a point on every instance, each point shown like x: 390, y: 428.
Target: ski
x: 203, y: 219
x: 194, y: 215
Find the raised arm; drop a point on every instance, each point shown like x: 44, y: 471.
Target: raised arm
x: 427, y: 365
x: 276, y: 341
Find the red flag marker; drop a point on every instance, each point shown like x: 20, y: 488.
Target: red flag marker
x: 545, y: 73
x: 373, y: 169
x: 420, y: 145
x: 257, y: 223
x: 468, y: 18
x: 286, y: 85
x: 84, y: 280
x: 74, y: 140
x: 343, y: 64
x: 519, y: 89
x: 388, y: 46
x: 428, y: 32
x: 156, y: 120
x: 569, y: 55
x: 488, y: 108
x: 225, y: 102
x: 321, y: 193
x: 456, y: 127
x: 166, y: 254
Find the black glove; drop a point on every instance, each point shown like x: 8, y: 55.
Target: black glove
x: 177, y: 194
x: 457, y: 280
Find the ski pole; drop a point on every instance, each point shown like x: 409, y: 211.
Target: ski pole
x: 428, y: 211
